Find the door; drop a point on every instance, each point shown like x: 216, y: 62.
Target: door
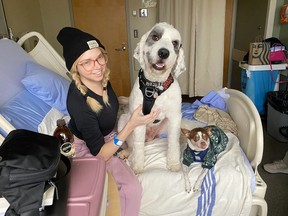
x: 106, y: 20
x: 250, y: 22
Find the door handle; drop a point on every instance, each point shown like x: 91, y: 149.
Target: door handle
x: 123, y: 48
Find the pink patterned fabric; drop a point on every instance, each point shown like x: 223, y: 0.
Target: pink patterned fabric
x: 129, y: 187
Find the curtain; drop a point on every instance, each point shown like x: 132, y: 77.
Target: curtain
x: 201, y: 24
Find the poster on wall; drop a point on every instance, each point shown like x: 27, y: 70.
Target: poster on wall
x: 284, y: 14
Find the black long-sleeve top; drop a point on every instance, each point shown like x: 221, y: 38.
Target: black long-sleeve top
x: 85, y: 123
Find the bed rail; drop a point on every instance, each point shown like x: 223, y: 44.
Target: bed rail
x: 244, y: 113
x: 247, y: 118
x: 5, y: 126
x: 44, y: 54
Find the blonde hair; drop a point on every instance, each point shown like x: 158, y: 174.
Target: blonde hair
x: 93, y: 104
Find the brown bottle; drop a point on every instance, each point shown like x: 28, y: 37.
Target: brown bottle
x: 66, y: 138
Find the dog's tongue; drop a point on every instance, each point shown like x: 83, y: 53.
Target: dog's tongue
x: 159, y: 65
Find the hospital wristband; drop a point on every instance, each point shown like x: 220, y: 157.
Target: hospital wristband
x: 117, y: 141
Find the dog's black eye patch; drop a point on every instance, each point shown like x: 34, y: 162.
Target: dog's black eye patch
x: 155, y: 37
x: 175, y: 44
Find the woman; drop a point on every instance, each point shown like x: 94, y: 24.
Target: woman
x: 93, y: 106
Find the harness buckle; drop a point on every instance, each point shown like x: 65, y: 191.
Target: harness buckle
x: 149, y: 92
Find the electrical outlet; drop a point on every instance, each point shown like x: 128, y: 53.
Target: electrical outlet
x: 135, y: 33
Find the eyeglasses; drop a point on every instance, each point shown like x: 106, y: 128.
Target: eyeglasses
x: 89, y: 64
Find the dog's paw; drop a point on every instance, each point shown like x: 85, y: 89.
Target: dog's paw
x: 174, y: 167
x: 196, y: 188
x: 124, y: 154
x: 188, y: 189
x: 137, y: 170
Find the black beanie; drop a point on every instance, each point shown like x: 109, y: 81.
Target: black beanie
x: 75, y: 42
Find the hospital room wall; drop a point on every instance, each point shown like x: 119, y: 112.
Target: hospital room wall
x: 24, y: 20
x: 280, y: 30
x: 137, y: 26
x: 48, y: 17
x: 45, y: 17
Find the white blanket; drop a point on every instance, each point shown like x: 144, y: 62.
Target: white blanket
x: 226, y: 189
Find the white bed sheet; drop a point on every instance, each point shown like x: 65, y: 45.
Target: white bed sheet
x: 227, y: 188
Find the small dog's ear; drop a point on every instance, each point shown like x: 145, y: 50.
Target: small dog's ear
x: 185, y: 132
x: 209, y: 131
x: 180, y: 64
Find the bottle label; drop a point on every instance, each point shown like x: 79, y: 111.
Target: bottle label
x: 68, y: 149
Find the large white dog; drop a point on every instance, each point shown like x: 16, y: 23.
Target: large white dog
x: 161, y: 58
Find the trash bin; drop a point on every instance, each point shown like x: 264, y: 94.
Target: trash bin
x: 277, y: 115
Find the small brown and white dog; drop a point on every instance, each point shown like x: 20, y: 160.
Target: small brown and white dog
x: 203, y: 145
x: 198, y: 139
x: 161, y: 58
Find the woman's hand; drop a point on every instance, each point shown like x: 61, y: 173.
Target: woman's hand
x: 137, y: 118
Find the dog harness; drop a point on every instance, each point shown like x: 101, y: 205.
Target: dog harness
x: 151, y: 90
x: 190, y: 156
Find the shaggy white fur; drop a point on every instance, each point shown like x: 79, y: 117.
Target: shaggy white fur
x: 160, y: 54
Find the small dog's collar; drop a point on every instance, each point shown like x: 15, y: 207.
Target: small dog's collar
x: 151, y: 90
x: 197, y: 154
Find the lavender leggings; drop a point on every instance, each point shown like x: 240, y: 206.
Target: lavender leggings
x: 129, y: 187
